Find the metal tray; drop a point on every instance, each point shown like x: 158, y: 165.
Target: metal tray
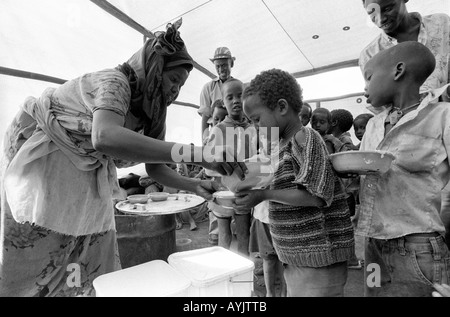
x: 175, y: 203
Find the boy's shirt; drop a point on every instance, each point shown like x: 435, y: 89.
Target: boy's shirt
x: 346, y: 138
x: 407, y: 198
x: 217, y: 137
x: 245, y: 145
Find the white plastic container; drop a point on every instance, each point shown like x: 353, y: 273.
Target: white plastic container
x: 152, y: 279
x: 215, y: 272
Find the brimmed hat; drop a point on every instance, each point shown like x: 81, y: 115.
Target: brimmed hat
x: 222, y: 52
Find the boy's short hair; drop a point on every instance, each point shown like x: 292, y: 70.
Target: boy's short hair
x: 344, y: 119
x: 324, y: 111
x: 307, y: 105
x: 363, y: 116
x: 273, y: 85
x: 419, y: 59
x: 231, y: 80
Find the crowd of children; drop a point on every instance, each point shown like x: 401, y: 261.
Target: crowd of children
x: 303, y: 225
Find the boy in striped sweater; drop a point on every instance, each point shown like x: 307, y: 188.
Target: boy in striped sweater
x: 308, y: 214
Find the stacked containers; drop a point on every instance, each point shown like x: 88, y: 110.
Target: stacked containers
x: 152, y: 279
x: 215, y: 272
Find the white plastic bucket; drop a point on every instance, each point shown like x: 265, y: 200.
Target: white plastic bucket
x: 152, y: 279
x: 215, y: 272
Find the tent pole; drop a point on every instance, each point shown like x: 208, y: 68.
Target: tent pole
x: 36, y: 76
x: 30, y: 75
x: 324, y: 69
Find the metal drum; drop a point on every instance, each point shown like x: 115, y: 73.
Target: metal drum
x: 145, y: 238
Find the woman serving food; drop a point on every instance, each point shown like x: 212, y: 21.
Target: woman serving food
x: 59, y: 162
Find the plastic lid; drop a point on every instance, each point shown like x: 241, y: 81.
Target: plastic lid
x: 152, y: 279
x: 209, y: 265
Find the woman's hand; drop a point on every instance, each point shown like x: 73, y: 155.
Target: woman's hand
x: 248, y: 199
x: 221, y: 159
x: 205, y: 188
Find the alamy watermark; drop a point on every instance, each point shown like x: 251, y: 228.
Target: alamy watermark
x: 74, y: 277
x: 374, y: 277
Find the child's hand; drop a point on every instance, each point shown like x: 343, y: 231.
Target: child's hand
x: 442, y: 290
x: 248, y: 199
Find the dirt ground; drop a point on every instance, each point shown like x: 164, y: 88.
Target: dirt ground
x: 199, y: 238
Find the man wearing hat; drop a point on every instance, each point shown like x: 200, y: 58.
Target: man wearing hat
x: 223, y: 62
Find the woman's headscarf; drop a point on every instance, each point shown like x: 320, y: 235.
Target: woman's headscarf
x: 144, y: 71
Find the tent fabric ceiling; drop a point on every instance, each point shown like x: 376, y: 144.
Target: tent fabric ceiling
x: 269, y: 33
x: 262, y: 34
x: 66, y: 39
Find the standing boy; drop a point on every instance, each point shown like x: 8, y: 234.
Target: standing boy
x: 236, y: 132
x: 211, y: 92
x: 399, y: 213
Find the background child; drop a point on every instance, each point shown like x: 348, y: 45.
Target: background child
x: 219, y: 135
x: 321, y: 122
x: 219, y: 112
x: 341, y: 123
x: 309, y: 220
x: 305, y: 114
x: 399, y: 213
x: 359, y: 125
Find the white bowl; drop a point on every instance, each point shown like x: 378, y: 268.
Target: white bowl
x: 224, y: 198
x: 362, y: 162
x: 158, y: 196
x: 137, y: 199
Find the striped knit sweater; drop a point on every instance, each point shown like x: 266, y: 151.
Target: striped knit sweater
x: 310, y: 236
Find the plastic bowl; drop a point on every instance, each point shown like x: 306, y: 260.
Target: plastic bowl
x: 224, y: 198
x: 158, y: 196
x: 362, y: 162
x: 138, y: 199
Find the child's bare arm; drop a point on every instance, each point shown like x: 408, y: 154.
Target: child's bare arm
x: 293, y: 197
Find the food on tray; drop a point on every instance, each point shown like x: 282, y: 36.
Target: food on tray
x: 158, y: 196
x: 138, y: 199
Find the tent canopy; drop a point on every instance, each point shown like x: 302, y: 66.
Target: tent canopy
x: 65, y: 39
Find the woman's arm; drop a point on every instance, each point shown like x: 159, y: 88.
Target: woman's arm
x: 168, y: 177
x: 110, y: 137
x: 164, y: 175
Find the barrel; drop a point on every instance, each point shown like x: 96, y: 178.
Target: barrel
x: 145, y: 238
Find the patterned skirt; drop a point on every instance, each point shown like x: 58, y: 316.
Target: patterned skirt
x: 37, y: 262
